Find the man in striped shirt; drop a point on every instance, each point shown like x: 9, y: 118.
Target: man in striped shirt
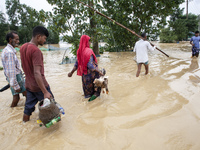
x: 12, y: 69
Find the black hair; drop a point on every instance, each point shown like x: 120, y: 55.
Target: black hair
x: 40, y: 30
x: 143, y: 34
x: 196, y: 32
x: 10, y: 35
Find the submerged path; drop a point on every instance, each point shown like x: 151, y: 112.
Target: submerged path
x: 154, y: 112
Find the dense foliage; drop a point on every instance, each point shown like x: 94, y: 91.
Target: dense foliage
x: 3, y: 29
x: 70, y: 20
x: 179, y: 28
x: 138, y: 15
x: 23, y: 19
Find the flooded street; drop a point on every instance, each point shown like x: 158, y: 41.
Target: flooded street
x: 160, y: 111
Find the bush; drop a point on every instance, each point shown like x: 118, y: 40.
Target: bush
x: 101, y: 50
x: 167, y: 36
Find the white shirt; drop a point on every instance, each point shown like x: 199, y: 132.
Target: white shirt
x: 141, y: 48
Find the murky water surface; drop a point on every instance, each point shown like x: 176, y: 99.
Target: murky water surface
x: 160, y: 111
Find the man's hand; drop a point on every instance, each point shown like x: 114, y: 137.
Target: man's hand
x: 18, y: 90
x: 70, y: 74
x: 47, y: 95
x: 38, y: 78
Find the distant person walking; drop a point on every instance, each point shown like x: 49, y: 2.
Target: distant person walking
x: 141, y: 48
x: 87, y: 67
x: 12, y: 69
x: 195, y: 44
x: 32, y: 64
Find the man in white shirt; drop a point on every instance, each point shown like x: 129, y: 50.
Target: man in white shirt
x: 141, y: 48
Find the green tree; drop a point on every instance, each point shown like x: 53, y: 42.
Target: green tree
x: 191, y: 24
x: 53, y: 36
x: 23, y: 19
x: 72, y: 19
x: 181, y: 26
x: 138, y: 15
x: 167, y: 36
x: 178, y: 24
x: 28, y: 19
x: 3, y: 29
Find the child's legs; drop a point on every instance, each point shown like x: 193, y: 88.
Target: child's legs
x: 139, y: 69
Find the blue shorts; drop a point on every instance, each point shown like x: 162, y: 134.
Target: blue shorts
x: 32, y: 99
x: 21, y: 82
x: 146, y: 63
x: 195, y: 51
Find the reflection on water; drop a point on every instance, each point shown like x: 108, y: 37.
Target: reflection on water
x: 157, y: 111
x: 194, y: 64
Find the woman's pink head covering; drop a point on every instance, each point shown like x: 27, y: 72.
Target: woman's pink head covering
x: 83, y: 55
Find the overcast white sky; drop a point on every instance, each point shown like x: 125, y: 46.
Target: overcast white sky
x: 194, y: 5
x: 37, y: 4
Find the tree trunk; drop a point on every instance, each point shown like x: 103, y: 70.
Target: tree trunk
x: 93, y: 26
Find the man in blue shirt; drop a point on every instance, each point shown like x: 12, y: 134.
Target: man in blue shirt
x: 195, y: 44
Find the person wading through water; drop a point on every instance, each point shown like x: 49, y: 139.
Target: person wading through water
x: 195, y: 44
x: 141, y: 48
x: 32, y: 63
x: 87, y: 67
x: 12, y: 69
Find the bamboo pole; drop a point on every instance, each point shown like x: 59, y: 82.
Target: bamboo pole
x: 133, y: 32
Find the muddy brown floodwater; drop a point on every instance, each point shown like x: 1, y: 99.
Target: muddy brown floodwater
x: 160, y: 111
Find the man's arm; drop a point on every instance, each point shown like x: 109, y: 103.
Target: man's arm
x: 38, y: 78
x: 134, y: 49
x: 151, y: 47
x: 191, y: 42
